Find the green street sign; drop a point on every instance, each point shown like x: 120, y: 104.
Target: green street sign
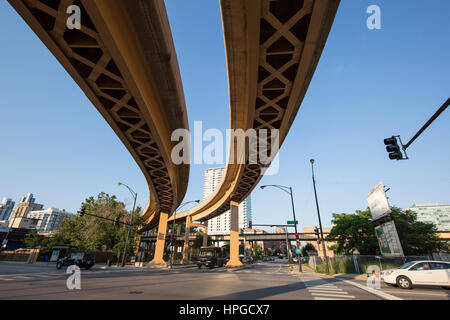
x: 298, y: 251
x: 292, y: 222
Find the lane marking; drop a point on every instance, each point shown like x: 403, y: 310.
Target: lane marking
x: 331, y: 292
x: 379, y: 293
x: 326, y: 289
x: 419, y: 293
x: 321, y: 285
x: 332, y: 295
x: 319, y: 298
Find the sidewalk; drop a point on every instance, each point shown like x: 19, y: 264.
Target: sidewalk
x: 307, y: 269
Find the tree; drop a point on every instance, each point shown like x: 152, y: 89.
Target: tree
x: 33, y: 240
x: 198, y: 242
x: 306, y: 248
x: 91, y: 233
x: 257, y: 251
x: 355, y: 233
x: 415, y: 236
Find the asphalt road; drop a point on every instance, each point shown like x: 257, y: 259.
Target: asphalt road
x: 268, y: 280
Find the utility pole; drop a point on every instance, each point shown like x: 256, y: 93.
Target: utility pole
x: 134, y: 194
x: 327, y: 270
x: 289, y: 191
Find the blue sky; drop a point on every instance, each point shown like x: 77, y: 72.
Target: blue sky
x: 369, y: 85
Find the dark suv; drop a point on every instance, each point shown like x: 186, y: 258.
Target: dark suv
x: 81, y: 259
x: 211, y: 257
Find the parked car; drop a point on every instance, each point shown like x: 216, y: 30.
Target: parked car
x: 247, y: 259
x: 81, y: 259
x: 211, y: 257
x: 268, y: 259
x: 429, y: 273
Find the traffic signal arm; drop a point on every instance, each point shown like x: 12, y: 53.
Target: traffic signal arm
x: 116, y: 221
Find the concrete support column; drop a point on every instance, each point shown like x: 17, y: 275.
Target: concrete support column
x: 234, y: 236
x: 186, y: 240
x: 205, y: 234
x: 179, y: 229
x: 160, y: 240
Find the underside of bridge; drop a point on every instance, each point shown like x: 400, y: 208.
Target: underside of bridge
x: 124, y: 60
x: 273, y: 48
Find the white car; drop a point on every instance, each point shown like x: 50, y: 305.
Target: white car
x: 429, y: 273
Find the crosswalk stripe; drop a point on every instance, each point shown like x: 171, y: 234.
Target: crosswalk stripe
x: 333, y: 295
x: 6, y: 279
x: 320, y: 288
x: 320, y: 285
x: 327, y: 291
x: 319, y: 298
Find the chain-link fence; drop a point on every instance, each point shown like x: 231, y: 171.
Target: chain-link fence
x: 358, y: 264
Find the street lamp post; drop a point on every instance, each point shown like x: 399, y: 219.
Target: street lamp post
x: 289, y: 191
x: 173, y: 226
x: 327, y: 270
x: 134, y: 194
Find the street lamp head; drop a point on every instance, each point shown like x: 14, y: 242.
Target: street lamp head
x: 198, y: 201
x: 119, y: 184
x: 312, y: 161
x: 262, y: 187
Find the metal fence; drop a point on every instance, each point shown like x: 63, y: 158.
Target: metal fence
x: 358, y: 264
x: 20, y: 255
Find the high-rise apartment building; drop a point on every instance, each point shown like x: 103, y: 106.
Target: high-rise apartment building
x: 221, y: 224
x: 26, y: 204
x: 439, y: 214
x: 6, y: 208
x: 49, y: 219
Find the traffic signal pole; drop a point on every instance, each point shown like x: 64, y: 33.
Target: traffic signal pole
x: 426, y: 125
x: 128, y: 233
x: 392, y: 145
x: 289, y: 191
x: 100, y: 217
x: 296, y: 232
x: 327, y: 270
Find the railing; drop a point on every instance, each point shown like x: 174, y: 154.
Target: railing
x: 20, y: 255
x: 358, y: 264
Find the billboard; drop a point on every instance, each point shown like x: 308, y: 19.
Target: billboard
x: 378, y: 202
x: 388, y: 239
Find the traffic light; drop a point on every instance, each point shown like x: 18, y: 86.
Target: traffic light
x: 316, y: 231
x: 116, y: 221
x: 250, y: 224
x: 82, y: 211
x: 393, y: 148
x: 172, y: 240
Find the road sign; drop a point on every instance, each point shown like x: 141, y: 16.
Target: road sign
x: 292, y: 222
x: 298, y: 251
x: 388, y: 240
x: 378, y: 202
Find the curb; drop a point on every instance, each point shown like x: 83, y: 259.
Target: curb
x: 238, y: 268
x: 344, y: 276
x: 183, y: 266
